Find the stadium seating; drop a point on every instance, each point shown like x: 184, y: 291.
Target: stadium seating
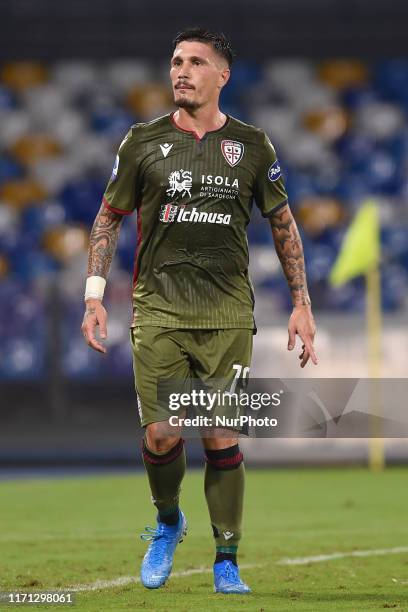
x: 340, y: 129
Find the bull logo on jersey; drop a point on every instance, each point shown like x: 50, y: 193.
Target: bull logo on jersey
x: 180, y: 182
x: 233, y: 151
x: 168, y: 213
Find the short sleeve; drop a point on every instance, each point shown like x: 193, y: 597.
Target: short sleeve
x: 120, y: 193
x: 269, y: 189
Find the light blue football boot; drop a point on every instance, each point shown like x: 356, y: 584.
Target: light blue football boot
x: 227, y: 579
x: 158, y: 560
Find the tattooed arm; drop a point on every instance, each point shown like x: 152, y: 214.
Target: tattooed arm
x: 290, y: 252
x: 103, y: 241
x: 102, y: 245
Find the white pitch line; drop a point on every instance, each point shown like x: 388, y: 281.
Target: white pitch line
x: 340, y: 555
x: 103, y: 584
x: 125, y: 580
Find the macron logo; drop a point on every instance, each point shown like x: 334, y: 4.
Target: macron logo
x: 166, y: 148
x: 227, y: 534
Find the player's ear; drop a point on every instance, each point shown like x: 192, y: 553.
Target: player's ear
x: 224, y: 77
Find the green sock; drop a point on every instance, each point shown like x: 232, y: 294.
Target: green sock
x: 165, y: 472
x: 224, y: 491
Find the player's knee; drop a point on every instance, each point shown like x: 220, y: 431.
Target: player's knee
x: 157, y: 440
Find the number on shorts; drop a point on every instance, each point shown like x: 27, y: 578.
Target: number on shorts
x: 241, y: 372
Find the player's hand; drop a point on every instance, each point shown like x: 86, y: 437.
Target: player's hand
x: 95, y: 315
x: 301, y: 322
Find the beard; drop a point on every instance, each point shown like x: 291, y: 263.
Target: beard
x: 184, y: 102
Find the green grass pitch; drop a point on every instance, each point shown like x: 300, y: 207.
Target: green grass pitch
x: 60, y: 533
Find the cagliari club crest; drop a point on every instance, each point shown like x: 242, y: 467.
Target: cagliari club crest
x: 232, y: 151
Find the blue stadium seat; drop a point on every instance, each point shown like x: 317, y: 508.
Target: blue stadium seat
x: 112, y: 122
x: 82, y: 199
x: 9, y: 169
x: 391, y: 79
x: 7, y: 98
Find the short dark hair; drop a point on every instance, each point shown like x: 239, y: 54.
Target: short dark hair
x: 218, y: 40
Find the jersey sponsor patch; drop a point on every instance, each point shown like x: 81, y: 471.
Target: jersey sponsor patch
x: 115, y: 169
x: 180, y: 182
x: 233, y: 151
x: 274, y: 171
x: 170, y: 213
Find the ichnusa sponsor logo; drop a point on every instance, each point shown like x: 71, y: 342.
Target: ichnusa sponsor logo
x: 170, y: 213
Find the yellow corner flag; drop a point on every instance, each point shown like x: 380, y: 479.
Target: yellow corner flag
x: 360, y: 250
x: 360, y: 254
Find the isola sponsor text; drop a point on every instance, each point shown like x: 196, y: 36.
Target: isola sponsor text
x: 210, y: 179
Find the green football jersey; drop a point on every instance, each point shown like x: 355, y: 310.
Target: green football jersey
x: 193, y: 199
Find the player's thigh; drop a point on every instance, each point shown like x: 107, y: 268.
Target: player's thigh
x: 158, y: 356
x: 222, y: 361
x: 223, y: 354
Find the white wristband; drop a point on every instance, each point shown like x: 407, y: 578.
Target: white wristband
x: 95, y: 287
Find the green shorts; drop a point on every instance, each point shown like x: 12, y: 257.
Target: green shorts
x: 187, y: 355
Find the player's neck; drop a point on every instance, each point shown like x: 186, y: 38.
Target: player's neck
x: 200, y: 121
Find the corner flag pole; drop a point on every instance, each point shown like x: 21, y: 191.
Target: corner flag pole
x: 374, y: 327
x: 360, y: 254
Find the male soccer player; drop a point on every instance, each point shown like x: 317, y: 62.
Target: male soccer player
x: 192, y: 175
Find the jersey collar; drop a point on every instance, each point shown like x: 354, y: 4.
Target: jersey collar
x: 192, y: 132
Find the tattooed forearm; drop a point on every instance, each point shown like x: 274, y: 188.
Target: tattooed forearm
x: 290, y: 252
x: 102, y: 242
